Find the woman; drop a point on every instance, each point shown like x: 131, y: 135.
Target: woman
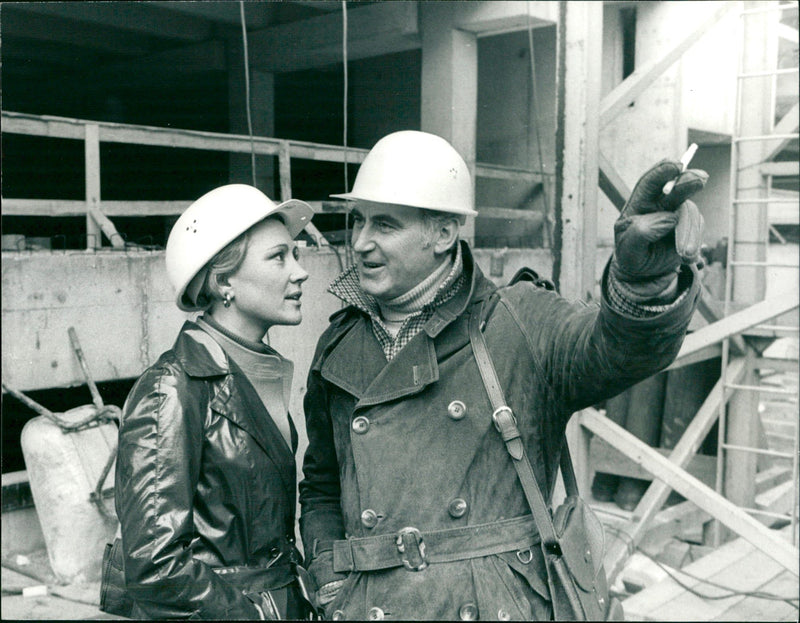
x: 205, y: 476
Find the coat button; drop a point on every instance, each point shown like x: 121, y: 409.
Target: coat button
x: 369, y: 518
x: 361, y: 425
x: 375, y: 614
x: 456, y: 410
x: 468, y: 612
x: 503, y: 615
x: 337, y: 615
x: 457, y: 507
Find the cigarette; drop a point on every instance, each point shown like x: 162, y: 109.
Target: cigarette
x: 685, y: 160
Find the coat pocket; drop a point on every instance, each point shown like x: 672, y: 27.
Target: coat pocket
x: 510, y: 587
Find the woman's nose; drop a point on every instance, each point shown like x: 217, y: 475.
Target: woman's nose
x: 299, y: 274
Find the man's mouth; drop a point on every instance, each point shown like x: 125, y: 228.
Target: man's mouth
x: 295, y: 296
x: 370, y: 265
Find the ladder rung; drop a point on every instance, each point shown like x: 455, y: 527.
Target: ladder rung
x: 776, y: 453
x: 791, y: 200
x: 765, y: 137
x: 769, y: 72
x: 767, y: 9
x: 754, y: 263
x: 758, y: 511
x: 761, y: 388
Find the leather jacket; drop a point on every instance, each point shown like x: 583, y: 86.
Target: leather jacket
x: 205, y: 487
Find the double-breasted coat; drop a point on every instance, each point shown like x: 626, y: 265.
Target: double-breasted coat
x: 205, y: 486
x: 409, y: 444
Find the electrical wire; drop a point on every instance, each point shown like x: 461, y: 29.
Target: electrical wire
x: 672, y: 574
x: 247, y: 93
x: 347, y: 250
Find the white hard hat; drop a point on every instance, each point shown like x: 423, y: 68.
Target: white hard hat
x: 415, y: 169
x: 214, y: 220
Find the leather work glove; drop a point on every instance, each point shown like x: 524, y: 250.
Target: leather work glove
x: 656, y: 233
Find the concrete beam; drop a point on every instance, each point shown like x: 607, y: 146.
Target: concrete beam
x: 125, y: 16
x: 380, y: 28
x: 491, y: 18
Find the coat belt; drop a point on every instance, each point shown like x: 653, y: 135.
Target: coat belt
x: 414, y: 549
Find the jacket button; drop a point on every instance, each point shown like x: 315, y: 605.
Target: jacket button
x: 361, y: 425
x: 457, y: 507
x: 375, y: 614
x: 369, y: 518
x: 456, y: 410
x: 468, y: 612
x: 503, y: 615
x: 337, y: 615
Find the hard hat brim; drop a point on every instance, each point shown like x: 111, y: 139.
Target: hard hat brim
x: 460, y: 211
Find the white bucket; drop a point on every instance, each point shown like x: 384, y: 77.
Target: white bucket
x: 63, y: 470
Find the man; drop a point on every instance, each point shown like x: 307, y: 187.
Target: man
x: 411, y: 508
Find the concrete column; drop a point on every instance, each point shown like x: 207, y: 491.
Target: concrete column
x: 262, y: 112
x: 578, y: 102
x: 450, y: 83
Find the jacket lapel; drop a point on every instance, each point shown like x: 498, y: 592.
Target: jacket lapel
x: 235, y: 398
x: 238, y: 401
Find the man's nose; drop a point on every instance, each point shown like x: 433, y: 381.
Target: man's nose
x: 362, y: 241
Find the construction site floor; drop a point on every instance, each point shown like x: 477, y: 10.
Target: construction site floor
x: 695, y: 593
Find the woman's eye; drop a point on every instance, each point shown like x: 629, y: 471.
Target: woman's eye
x: 280, y: 256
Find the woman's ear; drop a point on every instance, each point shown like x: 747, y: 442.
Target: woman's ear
x: 446, y: 235
x: 218, y: 284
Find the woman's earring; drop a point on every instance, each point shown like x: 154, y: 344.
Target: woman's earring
x: 228, y: 299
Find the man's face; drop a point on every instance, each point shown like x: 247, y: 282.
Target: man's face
x: 394, y: 246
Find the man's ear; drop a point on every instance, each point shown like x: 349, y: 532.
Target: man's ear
x: 446, y: 235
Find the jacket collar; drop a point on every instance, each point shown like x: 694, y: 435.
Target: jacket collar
x: 356, y: 362
x: 199, y: 353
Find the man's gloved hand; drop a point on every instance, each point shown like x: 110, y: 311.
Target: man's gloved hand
x: 656, y: 233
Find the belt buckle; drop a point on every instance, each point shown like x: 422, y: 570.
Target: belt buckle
x: 407, y: 534
x: 503, y: 418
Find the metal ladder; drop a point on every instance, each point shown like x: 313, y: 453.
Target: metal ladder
x: 756, y: 142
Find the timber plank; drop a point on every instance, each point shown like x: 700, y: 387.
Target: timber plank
x: 755, y: 609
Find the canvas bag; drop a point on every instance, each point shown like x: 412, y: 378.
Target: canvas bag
x: 572, y: 538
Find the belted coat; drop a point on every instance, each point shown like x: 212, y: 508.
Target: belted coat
x: 410, y: 443
x: 205, y: 483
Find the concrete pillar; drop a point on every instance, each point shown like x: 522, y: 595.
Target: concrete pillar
x: 578, y: 103
x: 262, y: 113
x: 450, y: 83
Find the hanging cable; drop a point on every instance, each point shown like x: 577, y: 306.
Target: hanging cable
x: 247, y: 93
x: 545, y: 186
x: 673, y: 574
x: 347, y: 250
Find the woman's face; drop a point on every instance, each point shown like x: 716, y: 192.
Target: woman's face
x: 267, y: 286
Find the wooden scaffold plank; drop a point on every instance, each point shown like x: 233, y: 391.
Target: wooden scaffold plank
x: 703, y: 496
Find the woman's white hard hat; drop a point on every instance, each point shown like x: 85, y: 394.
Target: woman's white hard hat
x: 214, y: 220
x: 415, y: 169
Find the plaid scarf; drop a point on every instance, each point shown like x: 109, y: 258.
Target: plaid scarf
x: 347, y: 287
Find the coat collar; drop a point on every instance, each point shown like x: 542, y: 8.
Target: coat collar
x: 199, y: 353
x: 357, y: 364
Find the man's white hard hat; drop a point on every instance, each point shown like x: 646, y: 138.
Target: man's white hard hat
x: 214, y: 220
x: 415, y: 169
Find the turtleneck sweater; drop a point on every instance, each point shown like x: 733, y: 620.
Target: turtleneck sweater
x: 268, y: 372
x: 396, y: 310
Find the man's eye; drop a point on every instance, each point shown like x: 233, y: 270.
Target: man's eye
x: 384, y: 226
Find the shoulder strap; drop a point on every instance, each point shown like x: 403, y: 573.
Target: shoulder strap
x: 506, y: 424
